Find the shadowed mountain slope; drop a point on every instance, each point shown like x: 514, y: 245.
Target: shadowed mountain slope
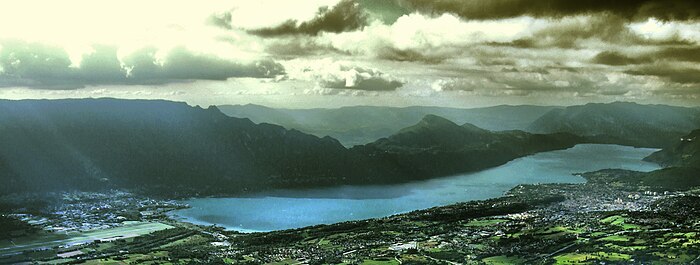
x: 437, y: 147
x: 622, y: 123
x: 97, y: 143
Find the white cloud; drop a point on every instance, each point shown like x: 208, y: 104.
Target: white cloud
x: 655, y: 29
x: 330, y: 74
x: 76, y: 25
x: 430, y: 35
x: 453, y: 84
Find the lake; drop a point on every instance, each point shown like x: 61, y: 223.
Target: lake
x: 284, y: 209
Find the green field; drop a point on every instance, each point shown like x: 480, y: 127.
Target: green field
x: 485, y: 222
x: 502, y: 260
x: 579, y: 258
x: 615, y: 238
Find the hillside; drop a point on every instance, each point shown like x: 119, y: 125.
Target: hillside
x: 684, y: 152
x: 673, y: 178
x: 98, y: 143
x: 364, y: 124
x: 682, y: 162
x: 622, y: 123
x: 436, y: 146
x: 665, y: 179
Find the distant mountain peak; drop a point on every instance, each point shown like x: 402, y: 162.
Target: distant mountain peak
x: 434, y: 120
x: 437, y: 122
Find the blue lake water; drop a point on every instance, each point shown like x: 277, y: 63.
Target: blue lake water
x: 284, y: 209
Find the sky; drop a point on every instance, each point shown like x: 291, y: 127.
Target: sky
x: 332, y: 53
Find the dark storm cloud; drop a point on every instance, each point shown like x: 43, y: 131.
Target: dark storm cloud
x: 572, y: 33
x: 684, y: 54
x: 579, y: 33
x: 495, y: 9
x: 663, y: 54
x: 674, y: 74
x: 569, y: 33
x: 616, y: 58
x: 359, y: 79
x: 345, y: 16
x: 42, y: 66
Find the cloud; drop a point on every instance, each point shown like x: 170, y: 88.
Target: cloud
x: 418, y: 37
x: 222, y: 20
x: 555, y: 49
x: 553, y: 80
x: 181, y: 64
x: 616, y: 58
x: 422, y: 38
x: 586, y: 31
x: 345, y: 16
x: 659, y: 30
x: 43, y: 66
x: 360, y: 79
x: 536, y: 82
x: 671, y: 54
x: 683, y: 54
x: 498, y: 9
x: 678, y: 74
x: 453, y: 84
x: 339, y: 75
x: 299, y: 46
x: 24, y: 64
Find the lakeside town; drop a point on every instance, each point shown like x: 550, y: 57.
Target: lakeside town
x: 83, y: 211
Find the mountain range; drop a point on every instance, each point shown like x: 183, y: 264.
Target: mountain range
x: 360, y: 125
x: 171, y: 147
x: 624, y: 123
x: 95, y: 143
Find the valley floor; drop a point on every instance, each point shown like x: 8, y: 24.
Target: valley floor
x: 601, y: 221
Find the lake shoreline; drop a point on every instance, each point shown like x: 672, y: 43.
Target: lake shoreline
x: 346, y: 205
